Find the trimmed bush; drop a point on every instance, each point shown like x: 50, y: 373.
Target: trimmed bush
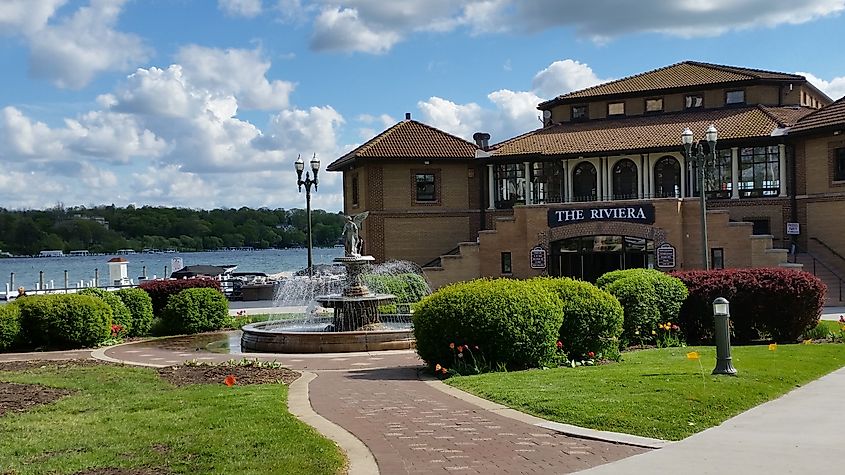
x: 773, y: 302
x: 140, y: 306
x: 160, y: 290
x: 408, y: 288
x: 513, y: 323
x: 64, y: 321
x: 10, y: 326
x: 195, y: 310
x: 649, y: 297
x: 120, y: 312
x: 592, y: 318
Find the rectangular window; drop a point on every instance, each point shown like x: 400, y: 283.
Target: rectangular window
x: 426, y: 190
x: 355, y: 190
x: 717, y: 258
x: 759, y: 171
x: 506, y: 263
x: 510, y: 182
x: 654, y: 105
x: 735, y: 97
x: 579, y: 113
x: 615, y: 108
x: 839, y: 164
x: 694, y: 101
x: 718, y: 178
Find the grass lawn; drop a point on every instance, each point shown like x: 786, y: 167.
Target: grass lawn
x: 658, y: 393
x: 128, y: 417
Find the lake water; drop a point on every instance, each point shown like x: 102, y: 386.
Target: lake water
x: 270, y: 261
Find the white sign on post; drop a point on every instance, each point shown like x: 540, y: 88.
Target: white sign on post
x: 793, y: 229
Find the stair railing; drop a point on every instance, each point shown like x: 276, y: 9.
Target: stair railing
x: 817, y: 262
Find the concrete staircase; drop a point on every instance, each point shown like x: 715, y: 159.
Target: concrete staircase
x: 824, y: 270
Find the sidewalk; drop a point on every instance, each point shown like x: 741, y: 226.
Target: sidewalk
x: 799, y: 433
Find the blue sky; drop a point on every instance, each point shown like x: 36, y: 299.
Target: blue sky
x: 203, y: 103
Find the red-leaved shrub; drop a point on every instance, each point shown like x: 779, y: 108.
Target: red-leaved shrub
x: 160, y: 290
x: 780, y: 303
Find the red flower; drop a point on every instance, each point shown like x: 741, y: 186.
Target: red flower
x: 230, y: 380
x: 591, y: 354
x: 559, y: 344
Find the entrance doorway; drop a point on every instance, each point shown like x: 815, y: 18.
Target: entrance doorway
x: 587, y: 258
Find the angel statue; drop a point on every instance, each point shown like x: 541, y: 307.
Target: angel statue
x: 351, y: 239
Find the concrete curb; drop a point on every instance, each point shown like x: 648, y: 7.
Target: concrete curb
x: 100, y: 354
x: 361, y: 460
x: 567, y: 429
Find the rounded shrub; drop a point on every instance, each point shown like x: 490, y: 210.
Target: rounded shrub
x: 409, y: 288
x: 640, y: 307
x: 140, y: 306
x: 64, y: 321
x: 10, y: 326
x: 120, y: 312
x: 592, y: 318
x: 195, y: 310
x: 161, y: 290
x: 512, y: 323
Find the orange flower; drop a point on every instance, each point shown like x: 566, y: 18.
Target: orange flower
x: 230, y: 380
x: 452, y: 346
x: 692, y: 355
x: 437, y: 368
x: 444, y: 370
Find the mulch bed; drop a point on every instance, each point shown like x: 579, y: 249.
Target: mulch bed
x: 244, y: 375
x: 16, y: 397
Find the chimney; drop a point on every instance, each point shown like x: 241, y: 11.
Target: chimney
x: 407, y: 116
x: 482, y: 139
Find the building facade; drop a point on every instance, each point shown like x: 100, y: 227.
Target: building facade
x: 605, y: 184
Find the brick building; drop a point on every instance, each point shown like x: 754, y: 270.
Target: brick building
x: 604, y: 184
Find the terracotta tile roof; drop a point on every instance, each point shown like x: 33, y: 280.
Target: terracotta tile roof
x: 829, y: 116
x: 645, y: 133
x: 680, y: 75
x: 409, y: 139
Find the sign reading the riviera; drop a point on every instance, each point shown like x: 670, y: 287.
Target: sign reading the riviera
x: 643, y: 214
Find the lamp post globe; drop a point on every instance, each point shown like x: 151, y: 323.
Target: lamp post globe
x: 315, y: 164
x: 299, y: 164
x: 686, y: 136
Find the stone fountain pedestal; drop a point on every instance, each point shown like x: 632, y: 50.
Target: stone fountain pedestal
x: 356, y: 309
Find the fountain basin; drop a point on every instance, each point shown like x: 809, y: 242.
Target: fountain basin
x: 276, y: 337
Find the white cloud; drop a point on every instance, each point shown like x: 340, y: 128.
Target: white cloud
x: 244, y: 8
x: 375, y: 26
x: 79, y: 47
x: 835, y: 88
x: 564, y: 76
x: 242, y: 73
x: 26, y: 16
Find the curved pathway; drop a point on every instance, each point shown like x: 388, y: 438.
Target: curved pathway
x: 408, y: 424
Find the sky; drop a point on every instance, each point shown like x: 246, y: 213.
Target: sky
x: 207, y: 103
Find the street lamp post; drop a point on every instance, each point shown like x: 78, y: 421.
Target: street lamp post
x: 701, y: 159
x: 315, y: 167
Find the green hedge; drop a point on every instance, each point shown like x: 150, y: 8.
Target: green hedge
x: 195, y: 310
x: 10, y: 326
x: 649, y: 297
x: 120, y: 312
x: 409, y: 288
x: 592, y: 318
x: 64, y: 321
x: 140, y: 306
x: 513, y: 323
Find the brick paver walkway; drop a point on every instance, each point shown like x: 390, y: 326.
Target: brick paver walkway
x: 411, y: 427
x: 408, y: 425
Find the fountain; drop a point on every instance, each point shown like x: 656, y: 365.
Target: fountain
x: 355, y: 323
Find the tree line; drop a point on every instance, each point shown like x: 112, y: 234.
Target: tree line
x: 105, y: 229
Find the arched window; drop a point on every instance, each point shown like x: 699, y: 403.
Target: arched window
x: 667, y: 178
x: 624, y: 180
x: 584, y: 182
